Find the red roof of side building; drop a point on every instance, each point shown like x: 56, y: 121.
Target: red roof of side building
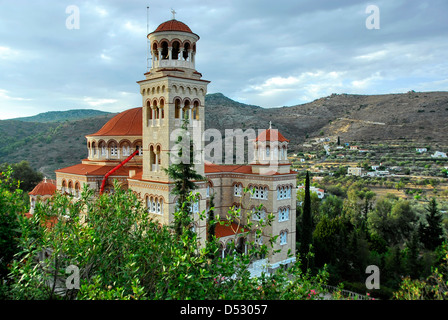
x: 271, y: 135
x: 126, y: 123
x: 212, y: 168
x: 228, y: 229
x: 246, y: 169
x: 43, y: 188
x: 98, y: 170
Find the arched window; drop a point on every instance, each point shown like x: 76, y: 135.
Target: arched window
x: 148, y: 204
x: 153, y: 204
x: 103, y: 149
x: 159, y: 206
x: 175, y: 50
x: 196, y: 111
x: 186, y: 48
x: 283, y: 237
x: 64, y: 186
x: 162, y: 109
x: 283, y: 214
x: 238, y: 190
x: 113, y: 149
x: 186, y: 110
x: 77, y: 189
x: 257, y: 215
x: 177, y: 109
x: 126, y: 150
x: 164, y: 46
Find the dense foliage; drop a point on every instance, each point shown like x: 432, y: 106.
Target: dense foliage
x: 121, y: 253
x: 354, y: 228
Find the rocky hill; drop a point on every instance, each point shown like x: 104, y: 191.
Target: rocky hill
x: 417, y: 116
x: 414, y: 116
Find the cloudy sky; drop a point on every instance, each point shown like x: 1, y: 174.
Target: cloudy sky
x: 261, y: 52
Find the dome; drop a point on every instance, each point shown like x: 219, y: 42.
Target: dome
x: 44, y: 188
x: 267, y: 135
x: 126, y: 123
x: 173, y: 25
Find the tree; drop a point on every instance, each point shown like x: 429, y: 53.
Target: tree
x: 307, y: 221
x: 185, y: 176
x: 332, y: 206
x: 211, y: 220
x: 434, y: 287
x: 392, y: 220
x: 11, y: 204
x: 123, y: 254
x: 431, y: 233
x: 22, y: 172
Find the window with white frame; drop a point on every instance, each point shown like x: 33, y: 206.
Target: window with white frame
x: 126, y: 151
x: 207, y: 193
x: 113, y: 150
x: 283, y: 192
x: 257, y: 215
x: 283, y: 214
x: 283, y: 237
x: 195, y: 207
x: 238, y: 190
x: 258, y: 192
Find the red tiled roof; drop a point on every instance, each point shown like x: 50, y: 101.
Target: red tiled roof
x: 228, y: 229
x: 43, y: 188
x: 246, y: 169
x: 212, y: 168
x: 173, y: 25
x: 49, y: 222
x: 98, y: 170
x: 271, y: 135
x: 126, y: 123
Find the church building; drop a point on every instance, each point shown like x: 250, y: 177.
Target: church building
x: 135, y: 145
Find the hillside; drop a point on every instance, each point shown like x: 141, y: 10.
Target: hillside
x: 55, y: 116
x: 47, y: 146
x: 414, y: 116
x: 417, y: 116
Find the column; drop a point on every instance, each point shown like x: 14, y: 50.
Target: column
x: 153, y: 113
x: 190, y: 115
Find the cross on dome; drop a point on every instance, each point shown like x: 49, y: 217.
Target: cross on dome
x: 174, y: 13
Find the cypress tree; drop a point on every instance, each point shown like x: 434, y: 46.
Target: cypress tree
x: 211, y: 220
x: 184, y: 176
x: 307, y: 224
x: 431, y: 233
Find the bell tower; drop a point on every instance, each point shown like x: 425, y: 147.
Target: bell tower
x: 173, y: 92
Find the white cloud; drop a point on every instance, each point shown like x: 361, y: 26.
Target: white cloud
x: 4, y: 94
x: 7, y: 53
x: 95, y: 102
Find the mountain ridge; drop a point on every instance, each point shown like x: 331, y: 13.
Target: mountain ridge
x: 414, y: 116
